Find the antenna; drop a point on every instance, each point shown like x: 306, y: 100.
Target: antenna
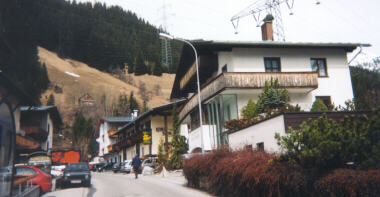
x: 272, y: 7
x: 166, y: 51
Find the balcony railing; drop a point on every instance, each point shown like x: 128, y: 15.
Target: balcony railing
x: 297, y: 80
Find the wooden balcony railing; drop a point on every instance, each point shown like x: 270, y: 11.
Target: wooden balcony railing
x: 298, y: 80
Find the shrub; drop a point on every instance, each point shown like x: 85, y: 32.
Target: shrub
x: 347, y: 182
x: 244, y: 173
x: 318, y: 105
x: 250, y: 110
x: 325, y: 144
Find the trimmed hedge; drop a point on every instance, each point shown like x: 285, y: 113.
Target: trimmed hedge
x: 257, y: 173
x: 346, y: 182
x: 244, y: 173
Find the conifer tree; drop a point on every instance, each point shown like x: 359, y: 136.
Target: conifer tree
x: 140, y: 67
x: 51, y: 100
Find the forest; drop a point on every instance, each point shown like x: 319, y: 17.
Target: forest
x: 105, y: 37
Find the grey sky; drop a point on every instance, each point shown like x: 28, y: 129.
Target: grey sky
x: 331, y: 21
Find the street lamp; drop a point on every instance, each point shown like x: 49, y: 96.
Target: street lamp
x: 169, y: 37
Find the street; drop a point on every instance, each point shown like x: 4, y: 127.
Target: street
x: 125, y: 185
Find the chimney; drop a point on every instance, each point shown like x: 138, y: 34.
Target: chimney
x: 267, y: 28
x: 135, y: 113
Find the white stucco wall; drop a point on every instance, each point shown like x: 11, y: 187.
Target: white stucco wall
x: 337, y: 85
x: 261, y: 132
x: 158, y: 122
x: 50, y: 130
x: 131, y: 151
x: 195, y: 138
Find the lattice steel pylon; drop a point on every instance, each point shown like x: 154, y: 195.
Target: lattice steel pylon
x: 272, y: 7
x: 166, y: 50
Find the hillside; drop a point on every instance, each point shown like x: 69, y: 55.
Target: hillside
x: 62, y: 74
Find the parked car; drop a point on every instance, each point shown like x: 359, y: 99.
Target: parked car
x: 77, y: 173
x: 116, y: 167
x: 105, y: 167
x: 151, y: 162
x: 42, y: 179
x: 126, y: 166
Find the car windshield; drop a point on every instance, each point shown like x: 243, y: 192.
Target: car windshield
x: 77, y: 166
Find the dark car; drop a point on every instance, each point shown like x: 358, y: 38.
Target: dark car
x: 116, y: 167
x: 105, y: 167
x: 77, y: 173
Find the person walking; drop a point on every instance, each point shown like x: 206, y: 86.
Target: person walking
x: 136, y: 164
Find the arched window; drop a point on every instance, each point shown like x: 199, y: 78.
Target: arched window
x: 7, y: 148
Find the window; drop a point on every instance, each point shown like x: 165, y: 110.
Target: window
x: 260, y: 146
x: 319, y: 65
x: 272, y: 64
x: 326, y: 100
x: 224, y: 68
x: 25, y: 171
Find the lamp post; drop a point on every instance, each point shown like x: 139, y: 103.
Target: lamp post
x: 167, y: 36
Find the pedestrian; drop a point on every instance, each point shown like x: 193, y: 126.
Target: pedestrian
x: 136, y: 164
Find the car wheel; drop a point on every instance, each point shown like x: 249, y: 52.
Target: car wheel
x: 87, y: 183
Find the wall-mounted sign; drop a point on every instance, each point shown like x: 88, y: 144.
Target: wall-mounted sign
x: 147, y: 137
x: 160, y: 129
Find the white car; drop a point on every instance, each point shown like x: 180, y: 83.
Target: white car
x: 126, y: 166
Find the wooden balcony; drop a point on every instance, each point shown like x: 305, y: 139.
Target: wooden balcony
x: 302, y: 81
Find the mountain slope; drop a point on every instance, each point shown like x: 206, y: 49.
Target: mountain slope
x: 62, y: 74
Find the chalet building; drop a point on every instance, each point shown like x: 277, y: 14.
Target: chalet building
x: 38, y: 124
x: 105, y: 129
x: 232, y: 72
x: 11, y: 97
x: 144, y: 134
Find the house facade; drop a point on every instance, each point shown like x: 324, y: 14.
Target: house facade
x: 39, y: 124
x: 231, y: 73
x: 144, y: 134
x: 106, y: 127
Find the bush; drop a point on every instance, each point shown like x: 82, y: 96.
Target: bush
x: 250, y: 110
x: 346, y: 182
x: 318, y: 105
x: 244, y: 173
x: 324, y: 144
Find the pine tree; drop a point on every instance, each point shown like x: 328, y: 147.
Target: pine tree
x: 133, y: 104
x: 318, y: 105
x: 51, y: 100
x: 157, y: 70
x: 140, y: 67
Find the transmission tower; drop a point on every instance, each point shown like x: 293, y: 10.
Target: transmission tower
x: 272, y: 7
x: 166, y: 50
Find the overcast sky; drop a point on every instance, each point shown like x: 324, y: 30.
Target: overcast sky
x: 330, y: 21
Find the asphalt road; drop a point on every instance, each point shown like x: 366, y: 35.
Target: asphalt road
x: 121, y: 185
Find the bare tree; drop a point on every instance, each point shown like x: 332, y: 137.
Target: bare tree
x: 157, y: 90
x: 143, y: 92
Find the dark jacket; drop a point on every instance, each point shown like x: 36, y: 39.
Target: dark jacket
x: 136, y: 162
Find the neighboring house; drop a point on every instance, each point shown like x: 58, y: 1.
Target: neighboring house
x: 106, y: 127
x: 232, y: 72
x: 144, y: 134
x: 11, y: 97
x: 261, y: 134
x: 39, y: 123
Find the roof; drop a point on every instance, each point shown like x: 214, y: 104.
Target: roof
x: 221, y: 44
x: 210, y: 46
x: 151, y: 112
x: 51, y: 109
x: 118, y: 119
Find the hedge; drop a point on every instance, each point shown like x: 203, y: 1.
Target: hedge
x: 257, y: 173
